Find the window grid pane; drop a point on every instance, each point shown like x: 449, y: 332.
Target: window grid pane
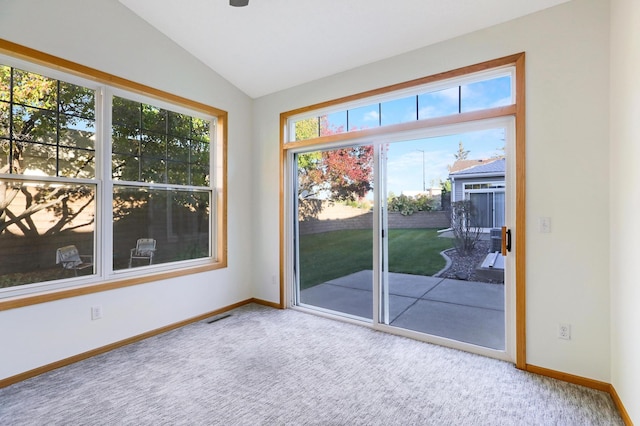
x: 177, y: 221
x: 486, y: 94
x: 167, y: 147
x: 439, y: 103
x: 46, y: 217
x: 39, y: 118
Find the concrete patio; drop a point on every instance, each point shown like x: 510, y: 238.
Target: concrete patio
x: 471, y: 312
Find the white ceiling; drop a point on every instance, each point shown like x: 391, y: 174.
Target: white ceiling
x: 272, y: 45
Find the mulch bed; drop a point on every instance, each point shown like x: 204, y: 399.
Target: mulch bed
x: 464, y: 267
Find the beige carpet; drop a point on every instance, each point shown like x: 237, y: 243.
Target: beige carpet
x: 262, y: 366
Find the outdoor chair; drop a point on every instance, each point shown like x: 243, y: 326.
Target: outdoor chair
x: 145, y: 248
x: 69, y: 257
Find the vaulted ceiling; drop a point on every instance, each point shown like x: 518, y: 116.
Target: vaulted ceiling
x: 271, y: 45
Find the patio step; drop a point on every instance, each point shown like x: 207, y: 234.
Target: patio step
x: 492, y: 268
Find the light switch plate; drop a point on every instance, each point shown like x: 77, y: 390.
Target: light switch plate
x: 544, y: 225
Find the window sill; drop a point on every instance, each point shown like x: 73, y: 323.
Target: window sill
x: 50, y: 296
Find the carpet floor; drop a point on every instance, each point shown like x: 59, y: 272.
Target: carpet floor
x: 263, y: 366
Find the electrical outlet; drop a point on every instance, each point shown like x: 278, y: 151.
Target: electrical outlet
x: 96, y: 312
x: 564, y: 331
x: 274, y: 281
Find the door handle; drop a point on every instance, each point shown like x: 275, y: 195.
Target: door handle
x: 506, y: 240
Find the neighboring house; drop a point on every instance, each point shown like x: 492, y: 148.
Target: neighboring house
x: 482, y: 182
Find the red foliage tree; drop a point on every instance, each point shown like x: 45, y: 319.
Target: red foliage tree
x: 341, y: 174
x: 348, y: 172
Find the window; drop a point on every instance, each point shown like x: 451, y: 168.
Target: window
x: 472, y: 93
x: 151, y: 146
x: 487, y: 201
x: 48, y: 189
x: 67, y: 180
x: 470, y: 186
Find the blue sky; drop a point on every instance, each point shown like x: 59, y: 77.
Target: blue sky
x: 405, y: 159
x: 470, y: 97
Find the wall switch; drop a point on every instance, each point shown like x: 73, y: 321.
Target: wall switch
x: 564, y: 331
x: 544, y: 225
x: 96, y: 312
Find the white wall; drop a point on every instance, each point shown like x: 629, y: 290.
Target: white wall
x: 625, y: 203
x: 107, y: 36
x: 567, y: 174
x: 567, y: 51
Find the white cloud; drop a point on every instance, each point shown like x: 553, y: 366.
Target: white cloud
x: 501, y: 102
x: 372, y: 116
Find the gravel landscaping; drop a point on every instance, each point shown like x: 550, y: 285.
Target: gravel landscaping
x: 464, y: 267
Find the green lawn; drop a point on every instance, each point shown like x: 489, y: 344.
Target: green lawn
x: 335, y: 254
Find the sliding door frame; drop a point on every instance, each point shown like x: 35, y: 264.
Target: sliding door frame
x: 508, y: 124
x: 516, y: 110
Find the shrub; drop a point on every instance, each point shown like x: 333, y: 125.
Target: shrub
x: 466, y: 235
x: 407, y: 205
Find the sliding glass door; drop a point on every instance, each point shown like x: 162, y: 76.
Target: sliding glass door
x: 334, y: 230
x: 437, y: 239
x: 489, y: 207
x: 398, y: 206
x: 408, y: 229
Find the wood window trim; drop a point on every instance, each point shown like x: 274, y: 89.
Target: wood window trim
x: 220, y: 193
x: 517, y: 110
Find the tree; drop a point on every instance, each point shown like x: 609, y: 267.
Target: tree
x: 309, y: 169
x: 445, y: 185
x: 348, y: 172
x: 462, y: 154
x: 343, y: 174
x: 445, y: 194
x: 466, y: 235
x: 38, y: 116
x: 307, y: 128
x: 151, y: 144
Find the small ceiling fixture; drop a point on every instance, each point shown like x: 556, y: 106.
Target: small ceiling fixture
x: 238, y: 3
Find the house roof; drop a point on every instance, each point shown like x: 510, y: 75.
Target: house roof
x: 482, y: 166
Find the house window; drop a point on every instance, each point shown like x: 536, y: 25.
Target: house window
x: 487, y: 201
x: 153, y: 146
x: 48, y: 184
x: 100, y: 187
x: 472, y: 93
